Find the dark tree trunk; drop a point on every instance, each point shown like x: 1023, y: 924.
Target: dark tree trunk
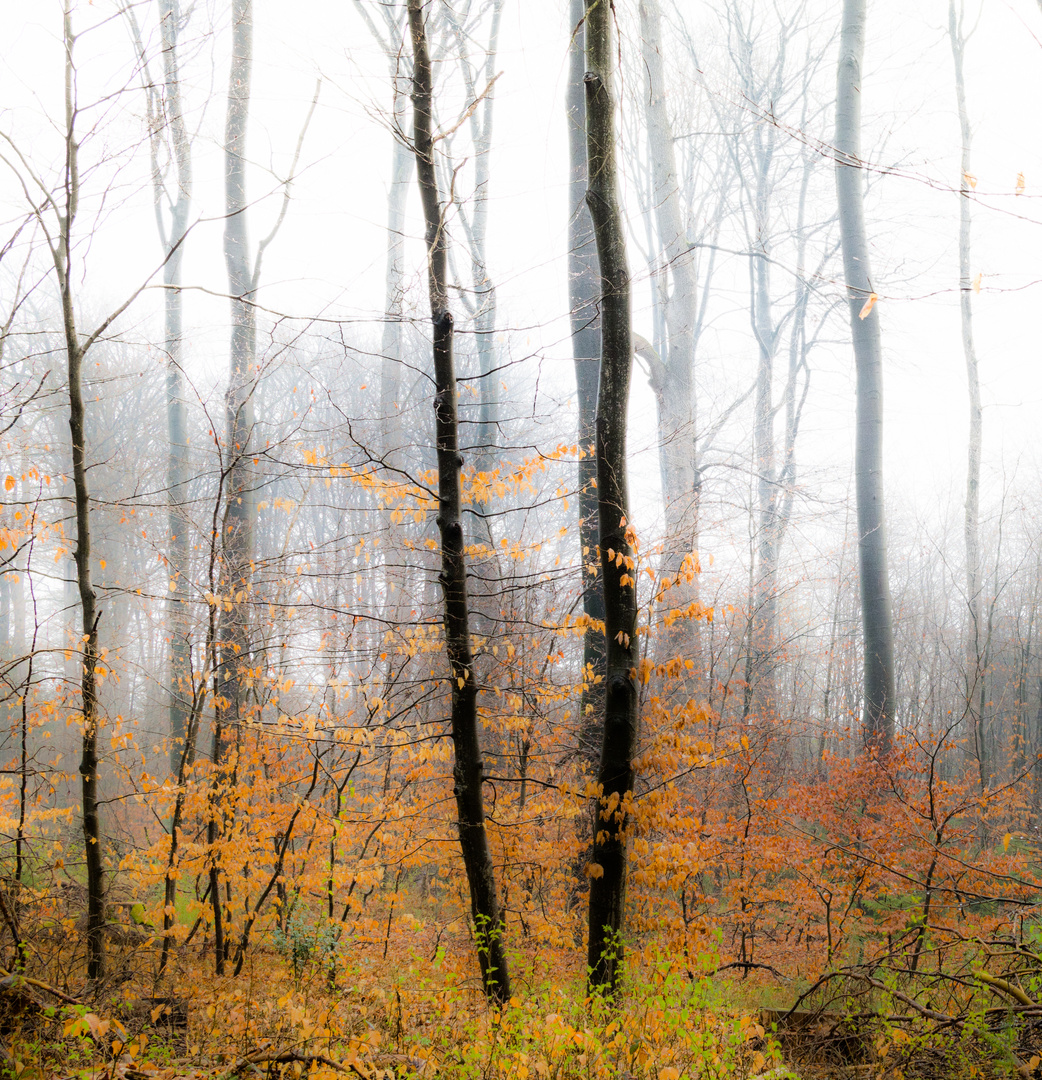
x: 583, y: 293
x: 615, y: 775
x: 468, y: 769
x: 876, y: 613
x: 75, y: 351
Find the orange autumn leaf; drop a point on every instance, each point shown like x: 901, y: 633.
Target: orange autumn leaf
x: 868, y: 305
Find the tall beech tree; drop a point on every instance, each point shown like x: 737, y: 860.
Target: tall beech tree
x: 172, y: 200
x: 240, y: 510
x: 480, y: 298
x: 468, y: 771
x: 876, y: 609
x: 975, y: 646
x: 391, y: 39
x: 55, y: 208
x: 179, y: 201
x: 607, y: 869
x: 586, y: 349
x: 672, y: 372
x: 242, y: 283
x: 75, y: 350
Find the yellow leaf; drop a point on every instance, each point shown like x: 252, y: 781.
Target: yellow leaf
x: 9, y: 483
x: 98, y: 1027
x: 669, y: 1073
x: 869, y: 304
x: 1005, y: 842
x: 976, y: 282
x: 1020, y: 183
x: 745, y: 742
x: 594, y: 870
x: 102, y: 563
x: 970, y: 179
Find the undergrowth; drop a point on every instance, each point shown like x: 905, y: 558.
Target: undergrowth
x: 290, y: 1014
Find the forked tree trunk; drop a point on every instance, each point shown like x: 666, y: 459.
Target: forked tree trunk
x: 583, y: 293
x: 876, y: 613
x: 468, y: 769
x: 618, y: 572
x: 75, y: 351
x: 483, y: 305
x: 971, y: 523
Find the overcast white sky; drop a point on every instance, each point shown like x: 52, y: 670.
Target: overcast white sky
x: 329, y: 258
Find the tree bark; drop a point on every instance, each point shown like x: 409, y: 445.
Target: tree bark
x: 974, y: 674
x: 74, y: 350
x: 615, y: 775
x: 394, y: 288
x: 468, y: 769
x: 238, y: 524
x: 673, y: 375
x: 166, y: 121
x: 483, y: 304
x: 583, y: 293
x: 876, y: 611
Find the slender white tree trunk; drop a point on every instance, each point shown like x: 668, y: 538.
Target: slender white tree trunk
x: 585, y: 318
x: 876, y: 610
x: 673, y: 374
x: 974, y: 674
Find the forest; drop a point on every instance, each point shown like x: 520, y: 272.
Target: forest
x: 520, y: 547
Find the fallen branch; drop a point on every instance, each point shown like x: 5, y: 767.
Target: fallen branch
x: 271, y: 1056
x: 1007, y: 988
x: 17, y: 979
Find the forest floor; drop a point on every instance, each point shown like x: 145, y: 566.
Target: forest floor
x: 417, y: 1011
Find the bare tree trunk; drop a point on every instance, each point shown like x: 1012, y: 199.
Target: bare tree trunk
x: 760, y: 694
x: 391, y: 343
x: 971, y: 524
x: 469, y: 768
x: 483, y: 305
x: 238, y: 524
x: 673, y: 375
x: 75, y: 350
x: 166, y: 121
x: 876, y: 612
x: 166, y: 124
x: 615, y: 776
x: 176, y: 408
x: 583, y: 293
